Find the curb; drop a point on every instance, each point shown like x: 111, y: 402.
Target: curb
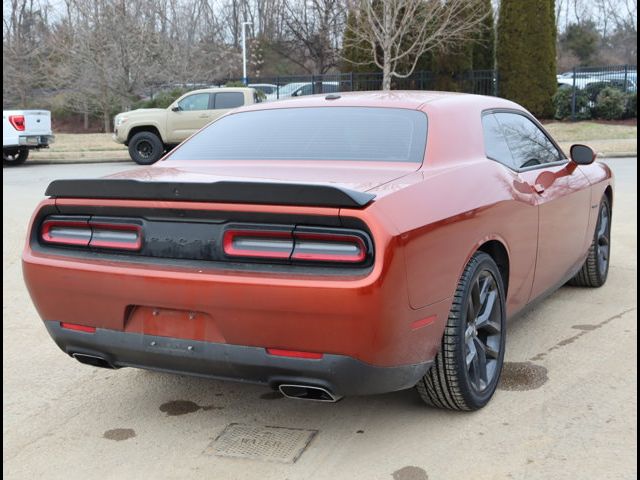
x: 79, y: 161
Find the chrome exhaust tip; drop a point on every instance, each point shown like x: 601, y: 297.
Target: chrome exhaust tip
x: 92, y: 360
x: 308, y: 392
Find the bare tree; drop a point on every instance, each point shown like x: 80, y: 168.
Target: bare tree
x: 396, y: 33
x: 316, y: 26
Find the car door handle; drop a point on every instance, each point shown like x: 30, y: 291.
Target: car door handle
x: 538, y: 188
x: 204, y: 116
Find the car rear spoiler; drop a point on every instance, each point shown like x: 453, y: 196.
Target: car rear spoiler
x: 224, y: 192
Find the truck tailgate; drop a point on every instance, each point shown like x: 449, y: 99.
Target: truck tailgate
x: 37, y: 122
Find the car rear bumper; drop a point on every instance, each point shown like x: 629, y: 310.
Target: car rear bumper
x: 339, y: 374
x: 36, y: 141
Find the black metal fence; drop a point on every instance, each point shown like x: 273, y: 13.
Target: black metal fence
x: 590, y: 81
x: 481, y: 82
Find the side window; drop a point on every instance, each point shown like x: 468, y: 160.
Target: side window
x: 198, y: 101
x: 495, y: 145
x: 528, y: 144
x: 229, y: 100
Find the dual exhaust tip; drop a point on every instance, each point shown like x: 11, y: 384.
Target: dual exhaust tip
x: 308, y: 392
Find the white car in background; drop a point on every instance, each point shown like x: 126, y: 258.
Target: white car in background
x: 24, y: 130
x: 299, y: 89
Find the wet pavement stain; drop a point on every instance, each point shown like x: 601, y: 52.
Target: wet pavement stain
x: 119, y: 434
x: 183, y: 407
x: 585, y: 328
x: 410, y: 473
x: 521, y: 376
x: 271, y: 396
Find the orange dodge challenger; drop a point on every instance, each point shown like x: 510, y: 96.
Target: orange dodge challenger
x: 335, y: 245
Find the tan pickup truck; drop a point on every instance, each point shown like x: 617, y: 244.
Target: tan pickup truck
x: 149, y: 132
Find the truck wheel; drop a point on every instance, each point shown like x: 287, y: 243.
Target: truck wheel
x: 14, y: 156
x: 145, y: 148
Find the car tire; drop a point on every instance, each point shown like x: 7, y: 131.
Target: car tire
x: 145, y: 148
x: 14, y: 156
x: 595, y: 269
x: 467, y: 368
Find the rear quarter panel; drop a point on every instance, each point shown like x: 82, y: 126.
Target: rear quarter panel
x: 449, y: 213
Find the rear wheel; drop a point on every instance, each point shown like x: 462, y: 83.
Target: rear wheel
x: 595, y: 269
x: 467, y: 368
x: 145, y: 148
x: 14, y: 156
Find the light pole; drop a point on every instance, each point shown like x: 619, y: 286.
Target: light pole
x: 244, y: 52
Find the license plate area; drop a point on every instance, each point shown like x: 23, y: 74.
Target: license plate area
x: 181, y: 324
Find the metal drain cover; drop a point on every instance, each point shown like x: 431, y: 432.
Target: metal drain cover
x: 272, y: 444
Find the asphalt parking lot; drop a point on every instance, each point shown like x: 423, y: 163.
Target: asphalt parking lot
x: 566, y: 408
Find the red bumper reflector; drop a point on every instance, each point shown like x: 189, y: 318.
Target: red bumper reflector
x: 79, y: 328
x: 423, y: 322
x: 293, y: 354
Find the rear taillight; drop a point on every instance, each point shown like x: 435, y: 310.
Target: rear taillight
x: 17, y: 121
x: 87, y: 233
x: 258, y: 243
x: 299, y: 245
x: 328, y: 247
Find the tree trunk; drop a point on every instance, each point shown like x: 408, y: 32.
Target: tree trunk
x: 386, y: 75
x: 386, y: 47
x: 107, y: 121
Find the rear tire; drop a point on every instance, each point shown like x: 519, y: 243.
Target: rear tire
x: 14, y: 156
x: 467, y: 367
x: 145, y: 148
x: 595, y: 269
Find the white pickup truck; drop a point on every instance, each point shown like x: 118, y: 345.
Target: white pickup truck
x: 23, y: 130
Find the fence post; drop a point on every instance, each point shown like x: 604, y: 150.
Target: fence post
x: 496, y: 80
x: 278, y: 89
x: 313, y: 84
x: 573, y: 96
x: 351, y: 81
x: 626, y: 74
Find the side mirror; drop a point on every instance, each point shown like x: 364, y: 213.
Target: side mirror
x: 176, y: 108
x: 582, y: 155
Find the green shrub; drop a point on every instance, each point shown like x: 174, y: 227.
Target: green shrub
x: 610, y: 104
x: 562, y: 103
x: 631, y: 105
x: 162, y: 99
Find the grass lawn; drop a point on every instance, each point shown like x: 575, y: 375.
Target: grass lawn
x: 604, y: 138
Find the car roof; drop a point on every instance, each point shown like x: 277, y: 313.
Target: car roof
x: 410, y: 99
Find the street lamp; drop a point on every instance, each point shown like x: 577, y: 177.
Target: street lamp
x: 244, y: 53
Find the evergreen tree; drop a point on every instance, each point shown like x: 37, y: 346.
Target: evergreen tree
x: 484, y: 49
x: 526, y: 54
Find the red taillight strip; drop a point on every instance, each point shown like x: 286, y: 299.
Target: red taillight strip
x: 231, y: 250
x: 294, y: 354
x: 82, y: 226
x: 120, y: 244
x: 79, y: 328
x: 17, y: 121
x: 330, y: 238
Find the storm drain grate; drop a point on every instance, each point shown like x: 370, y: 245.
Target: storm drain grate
x: 272, y: 444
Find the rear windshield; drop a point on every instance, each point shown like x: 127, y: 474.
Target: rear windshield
x: 324, y: 133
